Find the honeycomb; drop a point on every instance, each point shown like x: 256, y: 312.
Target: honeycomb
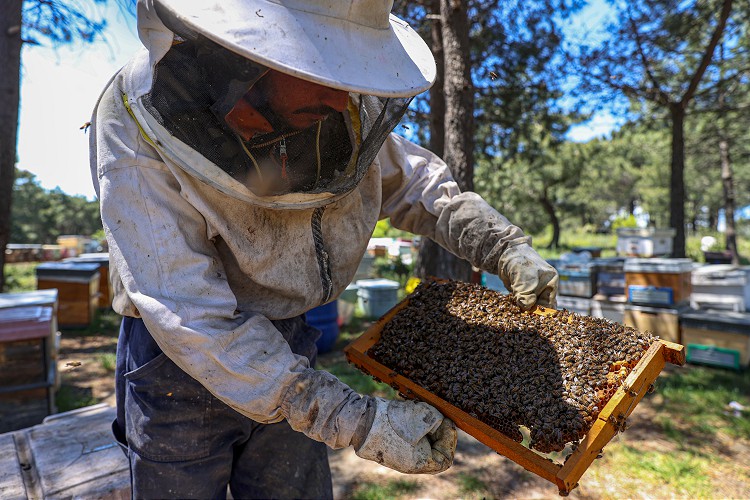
x: 478, y: 350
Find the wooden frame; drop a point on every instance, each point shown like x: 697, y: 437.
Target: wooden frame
x: 611, y: 419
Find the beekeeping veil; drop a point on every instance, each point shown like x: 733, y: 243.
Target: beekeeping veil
x: 208, y: 57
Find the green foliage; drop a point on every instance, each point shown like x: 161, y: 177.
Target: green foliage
x: 624, y: 221
x: 40, y: 216
x: 20, y: 277
x: 392, y: 269
x: 383, y: 229
x: 391, y: 489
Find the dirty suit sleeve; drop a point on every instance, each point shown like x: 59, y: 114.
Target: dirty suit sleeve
x: 420, y: 196
x: 172, y: 274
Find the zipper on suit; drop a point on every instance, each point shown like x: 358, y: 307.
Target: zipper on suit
x: 324, y: 262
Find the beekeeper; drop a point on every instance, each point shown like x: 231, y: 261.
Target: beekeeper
x: 242, y: 160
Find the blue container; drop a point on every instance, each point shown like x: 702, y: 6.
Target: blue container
x: 326, y: 319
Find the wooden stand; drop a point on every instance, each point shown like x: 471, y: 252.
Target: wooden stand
x: 611, y: 419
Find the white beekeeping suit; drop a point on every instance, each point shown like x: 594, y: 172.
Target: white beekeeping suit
x: 217, y: 227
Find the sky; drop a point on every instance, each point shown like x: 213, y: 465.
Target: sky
x: 60, y: 87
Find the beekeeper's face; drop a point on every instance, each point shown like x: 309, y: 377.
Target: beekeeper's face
x: 300, y: 103
x: 295, y: 103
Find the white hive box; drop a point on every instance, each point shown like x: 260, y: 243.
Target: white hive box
x: 644, y: 242
x: 721, y: 286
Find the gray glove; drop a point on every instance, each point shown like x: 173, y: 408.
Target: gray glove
x: 530, y: 278
x: 406, y: 436
x: 410, y: 437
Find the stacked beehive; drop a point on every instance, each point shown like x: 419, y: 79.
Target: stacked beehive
x: 717, y: 330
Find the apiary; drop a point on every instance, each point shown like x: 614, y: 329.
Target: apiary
x: 611, y: 307
x: 577, y: 279
x: 721, y: 286
x: 105, y: 298
x: 644, y: 242
x: 717, y: 338
x: 569, y: 381
x: 658, y: 282
x: 578, y: 305
x: 28, y: 355
x: 78, y: 290
x: 610, y: 276
x: 663, y: 321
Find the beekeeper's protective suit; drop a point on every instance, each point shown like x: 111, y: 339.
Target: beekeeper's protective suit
x: 242, y: 161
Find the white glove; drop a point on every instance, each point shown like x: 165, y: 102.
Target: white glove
x: 410, y: 437
x: 530, y: 278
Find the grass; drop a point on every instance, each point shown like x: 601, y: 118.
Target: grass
x: 104, y: 322
x: 695, y: 400
x: 470, y: 485
x: 108, y: 360
x: 391, y: 489
x: 69, y: 397
x: 337, y: 365
x: 662, y: 474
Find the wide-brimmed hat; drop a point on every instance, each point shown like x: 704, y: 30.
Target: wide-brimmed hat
x: 353, y: 45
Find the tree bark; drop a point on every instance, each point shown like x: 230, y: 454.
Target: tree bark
x: 458, y: 92
x: 10, y: 61
x: 677, y: 180
x: 437, y: 97
x: 727, y: 184
x: 727, y: 178
x: 549, y: 207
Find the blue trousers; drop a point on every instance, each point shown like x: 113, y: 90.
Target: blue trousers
x: 182, y: 442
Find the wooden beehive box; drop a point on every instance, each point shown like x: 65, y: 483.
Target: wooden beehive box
x: 69, y: 455
x: 28, y: 354
x: 78, y: 290
x: 658, y: 282
x: 102, y: 259
x: 565, y: 475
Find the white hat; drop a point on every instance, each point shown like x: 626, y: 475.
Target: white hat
x: 353, y: 45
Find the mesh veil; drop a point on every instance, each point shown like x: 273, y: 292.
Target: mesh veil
x: 198, y: 82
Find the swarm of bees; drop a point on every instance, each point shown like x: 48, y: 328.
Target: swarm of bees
x: 478, y: 350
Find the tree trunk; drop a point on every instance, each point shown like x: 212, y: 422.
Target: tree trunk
x: 10, y: 61
x: 549, y: 207
x: 727, y: 184
x: 677, y: 180
x: 727, y: 181
x: 458, y: 92
x: 437, y: 97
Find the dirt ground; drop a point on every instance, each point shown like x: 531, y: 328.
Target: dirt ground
x: 478, y: 472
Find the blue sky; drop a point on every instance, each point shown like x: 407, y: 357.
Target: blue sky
x: 60, y: 87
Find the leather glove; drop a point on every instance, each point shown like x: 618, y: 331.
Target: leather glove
x: 530, y: 278
x: 410, y: 437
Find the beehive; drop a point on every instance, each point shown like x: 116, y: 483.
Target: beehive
x: 78, y: 287
x: 494, y: 370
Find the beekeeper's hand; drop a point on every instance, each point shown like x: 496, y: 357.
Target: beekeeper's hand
x: 530, y: 279
x: 410, y: 437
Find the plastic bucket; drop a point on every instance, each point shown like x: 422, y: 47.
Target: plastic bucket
x: 377, y: 296
x: 326, y: 319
